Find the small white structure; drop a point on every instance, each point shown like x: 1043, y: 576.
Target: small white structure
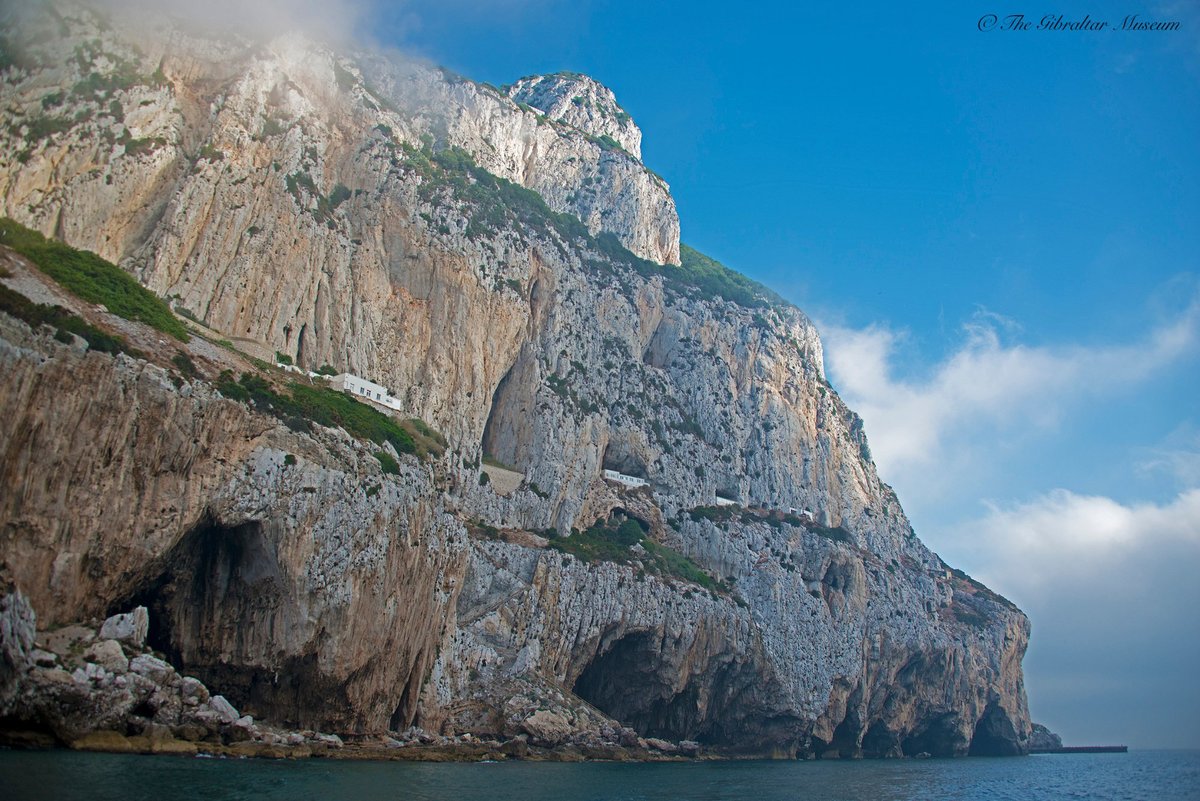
x: 628, y: 481
x: 363, y: 389
x: 725, y: 501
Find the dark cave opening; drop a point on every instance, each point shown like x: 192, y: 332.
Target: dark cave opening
x: 206, y: 587
x: 845, y: 738
x: 994, y: 734
x: 880, y: 741
x: 939, y: 738
x: 214, y: 601
x: 621, y: 456
x: 625, y: 683
x: 498, y: 440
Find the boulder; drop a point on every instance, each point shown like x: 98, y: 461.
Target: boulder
x: 152, y: 668
x: 225, y: 711
x: 94, y: 673
x: 547, y: 728
x: 190, y: 732
x: 46, y: 659
x: 1042, y: 739
x: 109, y: 655
x: 129, y: 628
x: 192, y: 691
x: 241, y: 730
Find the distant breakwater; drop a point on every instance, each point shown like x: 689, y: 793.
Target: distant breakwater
x: 1082, y: 749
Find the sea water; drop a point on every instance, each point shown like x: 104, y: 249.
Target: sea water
x: 1136, y: 776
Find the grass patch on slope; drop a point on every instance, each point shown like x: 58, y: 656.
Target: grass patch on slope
x: 63, y: 322
x: 713, y: 279
x: 91, y: 278
x: 302, y: 405
x: 497, y: 203
x: 612, y: 542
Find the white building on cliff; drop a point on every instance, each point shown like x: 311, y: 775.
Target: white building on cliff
x: 362, y: 389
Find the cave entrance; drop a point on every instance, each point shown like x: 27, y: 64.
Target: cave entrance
x: 509, y: 404
x: 939, y: 738
x: 994, y: 734
x: 621, y: 457
x: 206, y: 585
x: 216, y: 604
x: 625, y: 683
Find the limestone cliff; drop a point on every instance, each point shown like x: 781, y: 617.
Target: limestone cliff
x: 579, y: 101
x: 508, y: 272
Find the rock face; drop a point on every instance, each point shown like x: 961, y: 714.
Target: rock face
x: 326, y: 207
x: 1042, y: 739
x: 581, y: 102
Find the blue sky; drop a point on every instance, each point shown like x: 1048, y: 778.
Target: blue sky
x: 998, y: 235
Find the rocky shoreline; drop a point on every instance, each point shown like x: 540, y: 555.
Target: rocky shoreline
x: 101, y: 688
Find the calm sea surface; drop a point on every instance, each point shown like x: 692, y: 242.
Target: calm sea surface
x: 64, y: 776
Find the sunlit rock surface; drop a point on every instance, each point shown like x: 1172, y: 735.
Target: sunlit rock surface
x: 313, y: 202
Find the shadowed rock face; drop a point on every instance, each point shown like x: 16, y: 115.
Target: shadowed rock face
x: 308, y: 599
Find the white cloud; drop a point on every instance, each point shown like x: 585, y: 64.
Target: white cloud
x: 986, y: 384
x: 1112, y: 594
x: 1035, y: 549
x: 334, y: 21
x: 1178, y: 457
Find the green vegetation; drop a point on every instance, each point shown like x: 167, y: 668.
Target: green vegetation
x: 774, y: 518
x: 92, y: 278
x: 63, y: 322
x: 837, y: 533
x: 211, y: 153
x: 427, y: 440
x: 484, y: 479
x: 185, y: 365
x: 713, y: 279
x: 136, y: 147
x: 497, y: 204
x: 303, y: 405
x: 482, y: 530
x: 43, y: 127
x: 289, y: 460
x: 326, y: 205
x: 96, y: 85
x: 613, y: 542
x: 37, y: 130
x: 971, y: 617
x: 716, y: 514
x: 325, y: 369
x: 272, y: 127
x: 282, y: 358
x: 387, y: 463
x: 608, y: 143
